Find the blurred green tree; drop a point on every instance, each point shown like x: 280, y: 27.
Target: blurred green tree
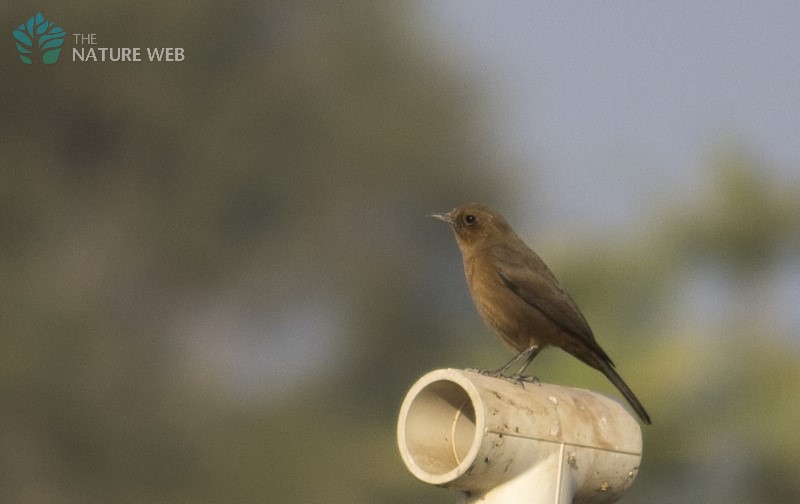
x: 178, y: 238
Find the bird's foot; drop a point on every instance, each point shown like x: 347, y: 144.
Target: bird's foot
x: 518, y: 379
x: 522, y: 379
x: 493, y: 373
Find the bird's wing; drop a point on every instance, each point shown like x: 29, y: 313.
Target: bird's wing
x: 529, y: 278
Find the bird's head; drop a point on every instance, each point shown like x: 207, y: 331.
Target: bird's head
x: 475, y: 224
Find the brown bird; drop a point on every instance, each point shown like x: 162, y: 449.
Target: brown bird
x: 520, y: 299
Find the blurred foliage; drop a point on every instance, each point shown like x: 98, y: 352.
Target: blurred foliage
x: 693, y: 301
x: 219, y: 279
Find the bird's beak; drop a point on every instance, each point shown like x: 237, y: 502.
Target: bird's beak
x: 443, y: 217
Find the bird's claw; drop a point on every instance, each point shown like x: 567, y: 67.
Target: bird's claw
x: 525, y: 379
x: 486, y: 372
x: 518, y: 379
x: 521, y: 380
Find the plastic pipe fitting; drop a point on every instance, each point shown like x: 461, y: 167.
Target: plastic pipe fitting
x: 497, y: 441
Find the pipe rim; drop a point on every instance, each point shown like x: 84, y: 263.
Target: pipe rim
x: 447, y: 398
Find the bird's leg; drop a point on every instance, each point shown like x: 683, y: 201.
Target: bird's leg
x: 531, y: 353
x: 528, y: 354
x: 502, y: 370
x: 497, y: 373
x: 525, y: 354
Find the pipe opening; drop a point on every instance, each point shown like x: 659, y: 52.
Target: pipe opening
x: 440, y: 427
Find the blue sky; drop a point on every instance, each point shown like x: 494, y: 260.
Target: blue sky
x: 609, y: 108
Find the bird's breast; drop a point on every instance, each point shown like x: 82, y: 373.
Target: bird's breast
x: 515, y: 322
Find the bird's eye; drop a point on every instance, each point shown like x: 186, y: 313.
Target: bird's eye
x: 470, y: 219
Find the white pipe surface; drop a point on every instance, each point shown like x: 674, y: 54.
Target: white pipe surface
x: 496, y: 441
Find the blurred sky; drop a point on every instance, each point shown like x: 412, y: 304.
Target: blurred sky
x: 611, y: 108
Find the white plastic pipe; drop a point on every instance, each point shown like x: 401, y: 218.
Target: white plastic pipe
x: 495, y: 441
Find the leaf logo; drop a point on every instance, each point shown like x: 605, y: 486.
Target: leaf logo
x: 39, y: 39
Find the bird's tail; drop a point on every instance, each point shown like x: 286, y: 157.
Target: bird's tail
x: 608, y: 369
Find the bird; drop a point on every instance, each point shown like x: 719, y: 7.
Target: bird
x: 520, y: 299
